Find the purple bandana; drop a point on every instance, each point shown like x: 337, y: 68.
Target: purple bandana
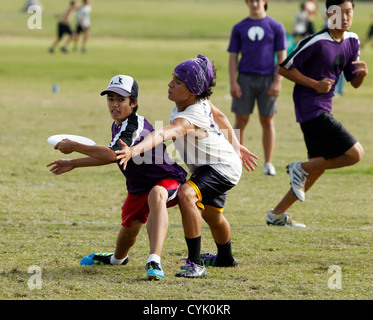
x: 197, y: 74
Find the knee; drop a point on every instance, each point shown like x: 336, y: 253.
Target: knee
x: 360, y: 153
x: 129, y: 234
x: 241, y: 121
x: 267, y: 123
x: 356, y: 153
x: 186, y: 193
x: 158, y: 194
x: 213, y: 219
x: 187, y: 197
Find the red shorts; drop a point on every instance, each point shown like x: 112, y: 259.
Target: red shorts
x: 135, y: 207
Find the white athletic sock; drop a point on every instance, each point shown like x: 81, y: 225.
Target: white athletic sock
x: 155, y: 258
x: 115, y: 261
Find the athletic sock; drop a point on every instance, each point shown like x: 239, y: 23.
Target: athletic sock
x: 224, y: 256
x: 155, y: 258
x: 115, y: 261
x: 194, y: 249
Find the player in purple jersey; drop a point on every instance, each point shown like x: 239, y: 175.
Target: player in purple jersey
x: 315, y: 66
x: 152, y: 178
x: 258, y: 38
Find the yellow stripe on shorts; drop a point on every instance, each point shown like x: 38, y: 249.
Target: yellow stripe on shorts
x: 199, y: 195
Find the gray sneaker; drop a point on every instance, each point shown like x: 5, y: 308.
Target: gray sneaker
x: 298, y: 178
x: 191, y: 270
x: 282, y: 219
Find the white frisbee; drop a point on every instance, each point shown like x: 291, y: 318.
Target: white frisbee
x: 53, y: 140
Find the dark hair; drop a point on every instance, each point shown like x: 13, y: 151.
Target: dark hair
x: 330, y: 3
x: 133, y: 100
x: 208, y: 93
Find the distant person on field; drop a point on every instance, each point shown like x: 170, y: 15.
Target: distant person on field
x: 300, y: 25
x: 30, y: 3
x: 83, y: 23
x: 63, y: 28
x: 152, y: 179
x: 258, y: 39
x: 311, y: 8
x: 315, y: 66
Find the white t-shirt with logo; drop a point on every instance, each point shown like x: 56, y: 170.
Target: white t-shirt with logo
x: 207, y: 145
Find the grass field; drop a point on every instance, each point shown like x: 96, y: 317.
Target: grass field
x: 53, y: 221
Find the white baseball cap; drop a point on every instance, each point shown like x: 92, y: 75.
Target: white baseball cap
x: 125, y: 86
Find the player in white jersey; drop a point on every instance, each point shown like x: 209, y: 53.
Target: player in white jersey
x: 213, y: 161
x: 83, y: 24
x: 206, y: 145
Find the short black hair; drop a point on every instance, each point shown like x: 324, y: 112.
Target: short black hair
x: 330, y: 3
x: 132, y: 101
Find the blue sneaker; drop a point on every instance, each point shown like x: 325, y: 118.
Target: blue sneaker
x: 154, y: 271
x: 99, y: 259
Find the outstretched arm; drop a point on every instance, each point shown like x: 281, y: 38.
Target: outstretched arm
x: 101, y: 153
x: 97, y: 156
x: 246, y: 156
x: 176, y: 129
x: 66, y: 165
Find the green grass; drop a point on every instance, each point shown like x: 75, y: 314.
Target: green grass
x: 52, y: 222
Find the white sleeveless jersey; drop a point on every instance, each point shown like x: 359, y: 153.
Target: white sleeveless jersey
x: 207, y: 145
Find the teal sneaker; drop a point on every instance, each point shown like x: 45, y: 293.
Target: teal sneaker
x: 154, y: 271
x: 99, y: 259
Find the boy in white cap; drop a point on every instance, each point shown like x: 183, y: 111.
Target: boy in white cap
x: 152, y: 179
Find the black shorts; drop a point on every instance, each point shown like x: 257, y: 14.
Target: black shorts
x: 79, y: 29
x: 62, y: 29
x: 326, y: 137
x: 211, y: 187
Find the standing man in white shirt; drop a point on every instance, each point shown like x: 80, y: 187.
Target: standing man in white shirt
x: 83, y: 23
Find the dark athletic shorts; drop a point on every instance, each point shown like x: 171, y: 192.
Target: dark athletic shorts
x: 79, y: 29
x: 62, y: 29
x: 211, y: 187
x: 326, y: 137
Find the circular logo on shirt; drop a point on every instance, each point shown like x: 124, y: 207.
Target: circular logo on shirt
x: 338, y: 63
x: 256, y: 33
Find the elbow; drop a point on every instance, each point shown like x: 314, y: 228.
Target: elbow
x: 281, y: 71
x: 355, y: 85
